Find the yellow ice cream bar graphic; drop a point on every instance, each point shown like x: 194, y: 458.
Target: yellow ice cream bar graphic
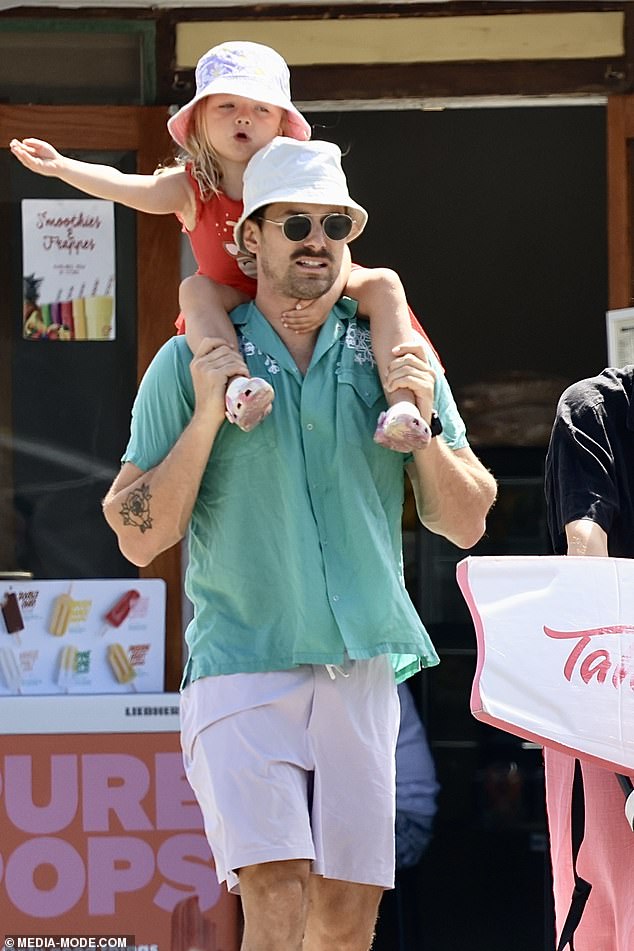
x: 60, y: 618
x: 120, y: 664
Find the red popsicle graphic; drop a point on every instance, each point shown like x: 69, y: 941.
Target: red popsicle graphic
x: 119, y: 611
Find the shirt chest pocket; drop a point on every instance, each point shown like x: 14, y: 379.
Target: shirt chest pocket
x: 360, y: 399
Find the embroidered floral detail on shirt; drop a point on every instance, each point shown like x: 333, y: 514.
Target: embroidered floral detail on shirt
x: 359, y: 340
x: 248, y: 349
x: 270, y: 364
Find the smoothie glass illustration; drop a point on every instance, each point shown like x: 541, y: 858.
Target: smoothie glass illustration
x: 98, y: 310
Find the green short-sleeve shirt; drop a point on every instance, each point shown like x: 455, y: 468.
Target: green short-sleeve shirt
x: 295, y: 537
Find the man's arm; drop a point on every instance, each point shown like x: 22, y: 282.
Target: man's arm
x: 453, y: 490
x: 149, y: 511
x: 586, y: 537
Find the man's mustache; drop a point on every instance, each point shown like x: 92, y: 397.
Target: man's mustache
x: 305, y: 253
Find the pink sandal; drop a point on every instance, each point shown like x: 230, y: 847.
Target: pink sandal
x: 402, y: 429
x: 248, y: 401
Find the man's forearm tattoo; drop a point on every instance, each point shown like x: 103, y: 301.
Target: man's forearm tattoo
x: 136, y: 508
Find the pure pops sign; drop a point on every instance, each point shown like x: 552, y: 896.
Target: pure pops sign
x: 102, y: 835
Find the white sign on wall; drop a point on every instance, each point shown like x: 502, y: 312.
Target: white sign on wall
x: 68, y: 269
x: 87, y: 636
x: 620, y: 333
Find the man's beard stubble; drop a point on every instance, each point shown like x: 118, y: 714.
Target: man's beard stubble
x: 293, y: 285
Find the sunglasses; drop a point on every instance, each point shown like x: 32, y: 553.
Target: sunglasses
x: 335, y: 226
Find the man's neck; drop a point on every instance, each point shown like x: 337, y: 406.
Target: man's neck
x: 299, y: 345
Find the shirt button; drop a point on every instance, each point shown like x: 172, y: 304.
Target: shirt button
x: 309, y: 426
x: 335, y: 597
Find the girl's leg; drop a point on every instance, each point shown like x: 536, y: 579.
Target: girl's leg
x: 382, y: 299
x: 205, y: 306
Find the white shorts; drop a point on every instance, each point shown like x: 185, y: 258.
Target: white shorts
x: 296, y: 765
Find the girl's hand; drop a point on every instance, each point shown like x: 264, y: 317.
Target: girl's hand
x: 409, y: 370
x: 307, y: 315
x: 37, y: 156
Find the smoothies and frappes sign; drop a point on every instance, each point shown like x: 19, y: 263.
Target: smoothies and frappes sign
x: 68, y: 269
x: 82, y: 637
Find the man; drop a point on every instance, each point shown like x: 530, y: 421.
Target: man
x: 590, y: 504
x: 301, y: 619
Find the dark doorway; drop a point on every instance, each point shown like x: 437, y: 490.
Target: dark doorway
x: 495, y: 218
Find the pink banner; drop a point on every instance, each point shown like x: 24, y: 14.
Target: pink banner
x: 555, y: 639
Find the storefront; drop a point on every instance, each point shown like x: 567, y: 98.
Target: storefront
x: 498, y: 148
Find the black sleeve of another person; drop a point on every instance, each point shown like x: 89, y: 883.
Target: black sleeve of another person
x: 582, y: 479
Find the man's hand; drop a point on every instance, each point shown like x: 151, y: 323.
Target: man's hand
x: 409, y: 370
x: 212, y: 366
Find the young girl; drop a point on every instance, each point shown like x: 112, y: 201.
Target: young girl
x: 242, y: 101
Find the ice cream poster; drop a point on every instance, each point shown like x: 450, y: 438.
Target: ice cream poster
x: 68, y: 270
x: 101, y: 835
x: 82, y: 637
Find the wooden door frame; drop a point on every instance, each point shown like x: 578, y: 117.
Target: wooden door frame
x: 620, y: 133
x: 142, y: 130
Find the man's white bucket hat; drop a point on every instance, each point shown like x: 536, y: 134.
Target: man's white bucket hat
x: 298, y: 173
x: 250, y: 70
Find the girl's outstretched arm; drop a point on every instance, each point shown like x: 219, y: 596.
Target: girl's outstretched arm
x: 169, y: 192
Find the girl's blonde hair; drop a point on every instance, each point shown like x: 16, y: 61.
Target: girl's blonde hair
x: 206, y: 165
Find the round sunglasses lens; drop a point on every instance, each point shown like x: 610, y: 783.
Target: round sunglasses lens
x: 297, y: 227
x: 337, y: 227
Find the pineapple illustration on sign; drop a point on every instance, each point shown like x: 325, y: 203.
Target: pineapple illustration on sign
x: 41, y: 321
x: 32, y: 322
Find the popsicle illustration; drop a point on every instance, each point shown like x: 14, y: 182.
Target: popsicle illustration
x: 189, y: 928
x: 12, y: 615
x: 119, y: 611
x: 120, y: 664
x: 60, y: 618
x: 10, y: 670
x: 67, y: 658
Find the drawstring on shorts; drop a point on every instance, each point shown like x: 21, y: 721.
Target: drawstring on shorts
x: 331, y: 668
